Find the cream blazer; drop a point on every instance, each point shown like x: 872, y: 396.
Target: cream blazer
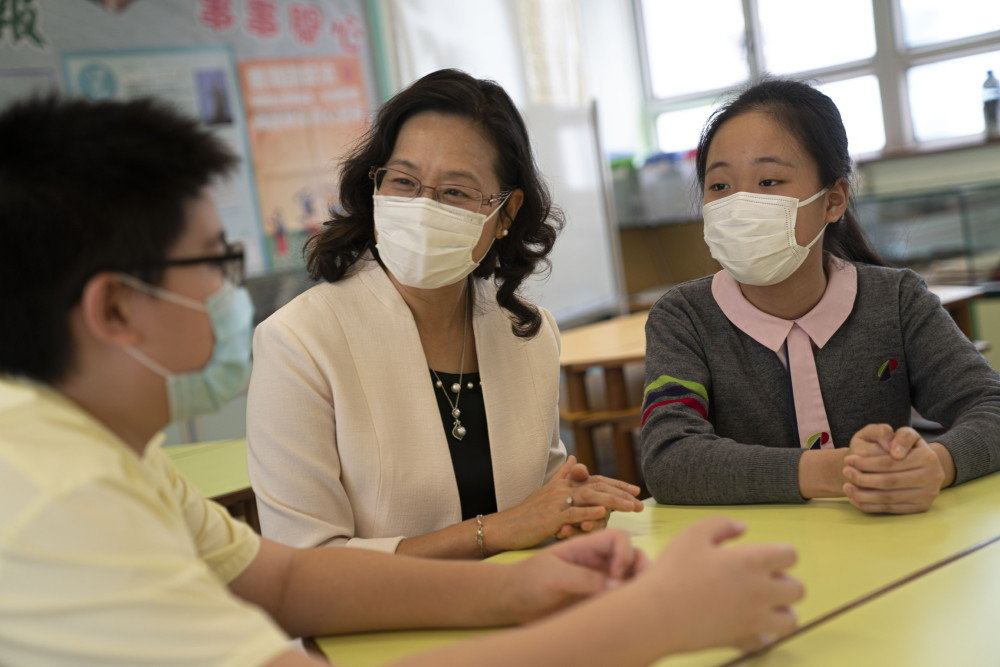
x: 345, y: 440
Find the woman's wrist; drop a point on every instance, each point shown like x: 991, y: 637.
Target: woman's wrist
x: 492, y: 534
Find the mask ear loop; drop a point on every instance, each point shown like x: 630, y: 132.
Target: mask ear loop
x: 823, y: 229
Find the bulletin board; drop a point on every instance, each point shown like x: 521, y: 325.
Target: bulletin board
x: 287, y: 84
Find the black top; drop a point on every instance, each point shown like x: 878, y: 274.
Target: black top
x: 470, y: 456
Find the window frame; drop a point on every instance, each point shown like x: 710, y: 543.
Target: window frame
x: 889, y: 65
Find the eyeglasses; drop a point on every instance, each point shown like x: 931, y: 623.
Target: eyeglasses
x: 397, y: 183
x: 230, y: 262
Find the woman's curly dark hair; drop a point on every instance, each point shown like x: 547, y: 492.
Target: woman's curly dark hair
x: 351, y: 231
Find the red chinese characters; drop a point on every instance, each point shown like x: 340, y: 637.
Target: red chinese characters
x: 306, y: 21
x: 217, y: 15
x: 262, y: 18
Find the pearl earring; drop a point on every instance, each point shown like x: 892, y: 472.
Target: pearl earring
x: 505, y: 232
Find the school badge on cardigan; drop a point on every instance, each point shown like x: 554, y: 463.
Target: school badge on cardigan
x: 817, y: 440
x: 886, y: 369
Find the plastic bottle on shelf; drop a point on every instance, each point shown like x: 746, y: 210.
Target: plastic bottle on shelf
x: 991, y: 105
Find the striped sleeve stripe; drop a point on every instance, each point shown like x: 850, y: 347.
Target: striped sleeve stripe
x: 665, y: 379
x: 666, y: 390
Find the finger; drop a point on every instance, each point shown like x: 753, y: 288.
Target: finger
x: 566, y: 530
x: 904, y: 440
x: 864, y: 449
x: 902, y: 479
x: 564, y: 469
x: 578, y: 474
x: 880, y: 434
x: 882, y: 463
x: 782, y: 621
x: 594, y: 526
x: 611, y: 551
x: 630, y: 489
x: 886, y: 508
x: 640, y: 563
x: 715, y: 530
x: 920, y: 495
x: 578, y: 515
x: 786, y: 590
x: 581, y: 580
x: 881, y: 506
x: 601, y: 487
x: 612, y: 501
x: 621, y: 564
x: 752, y: 642
x: 768, y: 557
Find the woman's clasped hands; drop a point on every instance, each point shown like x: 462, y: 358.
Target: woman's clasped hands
x: 573, y: 501
x: 895, y: 472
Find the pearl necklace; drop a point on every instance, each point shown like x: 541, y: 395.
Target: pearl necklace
x: 457, y: 430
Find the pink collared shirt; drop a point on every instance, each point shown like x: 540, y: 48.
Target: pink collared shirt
x: 772, y: 332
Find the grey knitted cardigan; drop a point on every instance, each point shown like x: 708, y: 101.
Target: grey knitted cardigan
x: 718, y: 415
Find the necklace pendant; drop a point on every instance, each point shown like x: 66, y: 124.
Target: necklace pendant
x: 458, y: 431
x: 455, y: 388
x: 456, y: 413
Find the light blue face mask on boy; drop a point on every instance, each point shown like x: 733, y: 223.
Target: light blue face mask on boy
x: 227, y: 373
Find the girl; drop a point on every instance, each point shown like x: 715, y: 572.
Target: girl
x: 791, y: 373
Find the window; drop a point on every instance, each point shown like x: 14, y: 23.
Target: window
x: 960, y: 82
x: 928, y: 22
x: 679, y: 62
x: 860, y: 106
x: 790, y: 31
x: 926, y: 88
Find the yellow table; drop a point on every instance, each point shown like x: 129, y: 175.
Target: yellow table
x: 949, y: 617
x: 219, y: 470
x: 844, y: 555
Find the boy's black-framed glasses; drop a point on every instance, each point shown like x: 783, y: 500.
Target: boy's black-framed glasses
x: 231, y: 262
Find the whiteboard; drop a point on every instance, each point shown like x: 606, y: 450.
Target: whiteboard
x: 585, y: 282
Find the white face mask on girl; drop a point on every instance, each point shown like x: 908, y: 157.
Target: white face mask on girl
x: 424, y: 243
x: 753, y: 236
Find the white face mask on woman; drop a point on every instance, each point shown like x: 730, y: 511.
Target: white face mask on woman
x: 424, y: 243
x: 753, y: 236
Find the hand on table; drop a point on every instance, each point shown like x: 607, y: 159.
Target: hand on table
x: 717, y: 595
x: 546, y: 512
x: 570, y: 571
x: 595, y: 484
x: 895, y: 472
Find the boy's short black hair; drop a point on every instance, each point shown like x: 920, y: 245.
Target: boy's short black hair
x: 87, y: 187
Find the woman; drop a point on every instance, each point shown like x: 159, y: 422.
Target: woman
x: 407, y: 404
x: 790, y: 374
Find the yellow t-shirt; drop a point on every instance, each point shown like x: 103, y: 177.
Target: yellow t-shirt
x: 109, y: 558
